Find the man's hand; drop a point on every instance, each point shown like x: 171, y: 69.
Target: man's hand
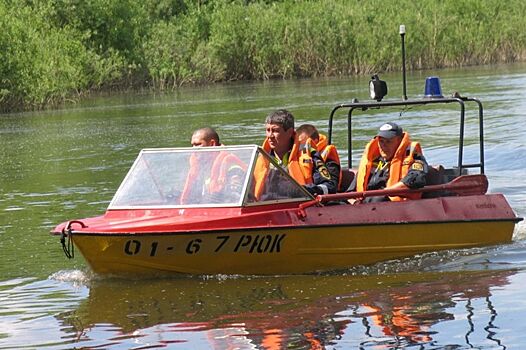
x: 314, y: 190
x: 354, y: 201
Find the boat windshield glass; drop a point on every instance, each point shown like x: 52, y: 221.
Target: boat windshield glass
x: 204, y: 177
x: 213, y: 176
x: 271, y: 182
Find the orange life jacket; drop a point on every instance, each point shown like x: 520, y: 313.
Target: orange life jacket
x: 398, y: 166
x: 190, y: 178
x: 300, y: 162
x: 223, y: 162
x: 300, y: 166
x: 327, y: 152
x: 222, y: 165
x: 260, y: 174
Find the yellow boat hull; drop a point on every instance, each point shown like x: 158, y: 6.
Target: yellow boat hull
x: 276, y: 251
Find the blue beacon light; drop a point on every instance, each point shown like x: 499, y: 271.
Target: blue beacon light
x: 433, y: 89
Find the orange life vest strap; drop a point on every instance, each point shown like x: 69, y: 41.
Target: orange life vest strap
x: 190, y: 178
x: 260, y: 174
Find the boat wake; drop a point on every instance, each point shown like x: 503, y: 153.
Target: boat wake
x: 520, y: 231
x: 74, y: 276
x: 472, y: 259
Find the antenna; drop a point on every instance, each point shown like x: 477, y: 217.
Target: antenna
x: 402, y: 35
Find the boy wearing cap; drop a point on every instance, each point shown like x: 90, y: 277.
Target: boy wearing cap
x: 391, y: 160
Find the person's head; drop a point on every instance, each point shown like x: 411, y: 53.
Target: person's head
x: 205, y: 137
x: 306, y: 131
x: 279, y: 128
x: 389, y: 138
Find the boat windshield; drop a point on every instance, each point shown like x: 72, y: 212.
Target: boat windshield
x: 205, y: 177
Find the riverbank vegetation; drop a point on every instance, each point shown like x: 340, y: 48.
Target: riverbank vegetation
x: 56, y: 50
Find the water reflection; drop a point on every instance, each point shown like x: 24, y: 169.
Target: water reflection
x: 303, y: 312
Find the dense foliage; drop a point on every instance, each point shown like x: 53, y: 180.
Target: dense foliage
x: 54, y: 50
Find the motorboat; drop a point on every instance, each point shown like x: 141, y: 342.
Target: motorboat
x: 235, y: 210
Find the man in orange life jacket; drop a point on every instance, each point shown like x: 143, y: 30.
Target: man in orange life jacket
x: 391, y: 161
x: 306, y: 166
x: 213, y: 177
x: 308, y: 135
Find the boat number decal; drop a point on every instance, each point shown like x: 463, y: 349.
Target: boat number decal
x: 260, y: 243
x: 154, y: 249
x: 132, y: 247
x: 271, y: 243
x: 223, y: 240
x: 193, y: 246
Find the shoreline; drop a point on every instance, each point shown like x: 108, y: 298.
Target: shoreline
x: 75, y: 50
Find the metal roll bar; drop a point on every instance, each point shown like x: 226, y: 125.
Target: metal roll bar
x: 426, y: 101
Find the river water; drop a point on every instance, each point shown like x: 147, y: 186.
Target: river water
x: 63, y: 164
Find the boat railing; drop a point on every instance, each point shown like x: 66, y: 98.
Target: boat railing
x: 363, y: 106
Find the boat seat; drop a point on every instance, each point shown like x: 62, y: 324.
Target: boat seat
x: 453, y: 173
x: 436, y: 175
x: 348, y: 176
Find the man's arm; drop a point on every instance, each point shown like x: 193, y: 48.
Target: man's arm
x: 325, y: 176
x: 416, y: 176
